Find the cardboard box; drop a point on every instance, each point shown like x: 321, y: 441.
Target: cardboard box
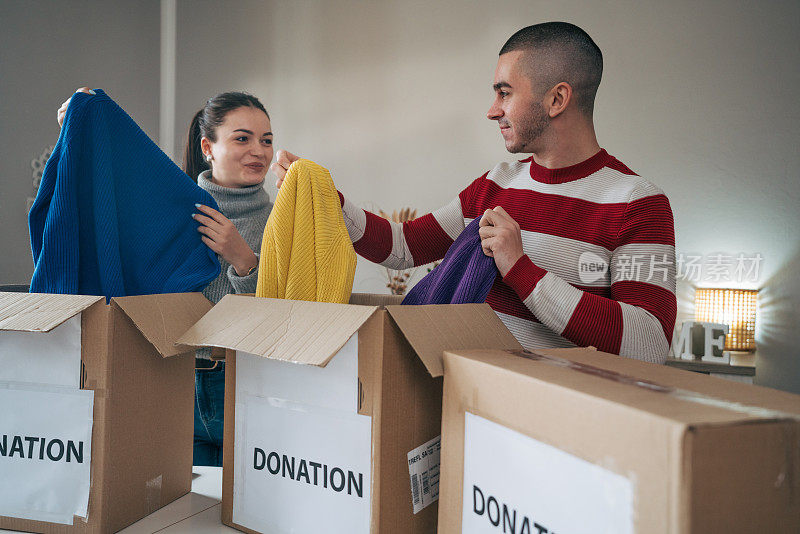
x: 573, y: 440
x: 324, y: 403
x: 102, y: 418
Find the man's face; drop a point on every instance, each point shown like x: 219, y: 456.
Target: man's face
x: 519, y: 113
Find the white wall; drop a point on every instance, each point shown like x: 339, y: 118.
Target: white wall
x: 47, y: 50
x: 699, y: 97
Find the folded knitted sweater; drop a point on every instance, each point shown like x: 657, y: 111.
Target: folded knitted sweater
x: 306, y: 252
x: 465, y: 275
x: 113, y: 213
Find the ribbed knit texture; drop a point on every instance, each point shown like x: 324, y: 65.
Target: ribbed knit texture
x: 465, y: 275
x: 248, y: 208
x: 306, y: 253
x: 599, y: 263
x: 113, y: 213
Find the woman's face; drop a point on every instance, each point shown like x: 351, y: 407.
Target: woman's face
x: 243, y: 150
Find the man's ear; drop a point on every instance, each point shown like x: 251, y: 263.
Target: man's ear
x: 558, y: 98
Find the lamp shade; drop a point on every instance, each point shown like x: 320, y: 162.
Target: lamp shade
x: 733, y: 307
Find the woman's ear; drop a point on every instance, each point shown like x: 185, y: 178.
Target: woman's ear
x: 205, y: 146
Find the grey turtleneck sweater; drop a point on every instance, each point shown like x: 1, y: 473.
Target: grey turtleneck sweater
x: 248, y: 208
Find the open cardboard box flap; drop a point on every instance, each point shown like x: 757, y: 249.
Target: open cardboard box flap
x: 290, y: 330
x: 40, y: 312
x: 432, y: 329
x: 162, y: 318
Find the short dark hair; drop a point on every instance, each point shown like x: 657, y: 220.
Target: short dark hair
x: 205, y: 123
x: 570, y: 55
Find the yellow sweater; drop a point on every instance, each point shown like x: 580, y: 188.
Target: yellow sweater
x: 306, y: 253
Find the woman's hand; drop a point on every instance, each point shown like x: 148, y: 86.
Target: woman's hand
x: 283, y: 161
x: 62, y: 111
x: 222, y: 237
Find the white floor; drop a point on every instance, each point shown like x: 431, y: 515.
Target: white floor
x: 197, y: 512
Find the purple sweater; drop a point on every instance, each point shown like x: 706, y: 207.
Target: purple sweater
x: 465, y: 275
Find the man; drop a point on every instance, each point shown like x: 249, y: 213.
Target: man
x: 585, y: 247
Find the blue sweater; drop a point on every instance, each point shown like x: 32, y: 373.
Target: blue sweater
x: 113, y: 213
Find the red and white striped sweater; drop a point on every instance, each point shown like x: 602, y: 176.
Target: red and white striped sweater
x: 573, y: 221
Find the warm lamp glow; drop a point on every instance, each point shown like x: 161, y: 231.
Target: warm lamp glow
x: 733, y: 307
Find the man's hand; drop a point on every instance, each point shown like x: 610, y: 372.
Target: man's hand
x: 283, y: 160
x: 222, y: 237
x: 501, y: 239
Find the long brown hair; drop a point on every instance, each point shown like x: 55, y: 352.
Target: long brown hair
x: 205, y: 123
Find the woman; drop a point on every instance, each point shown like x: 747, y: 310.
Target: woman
x: 228, y: 153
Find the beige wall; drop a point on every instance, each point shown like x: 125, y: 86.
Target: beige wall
x: 699, y: 97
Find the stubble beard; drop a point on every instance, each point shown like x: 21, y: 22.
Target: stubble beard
x: 529, y: 129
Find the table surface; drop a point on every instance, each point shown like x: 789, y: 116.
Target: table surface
x: 196, y: 512
x: 743, y: 364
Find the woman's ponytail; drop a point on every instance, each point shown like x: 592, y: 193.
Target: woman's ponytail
x: 193, y: 161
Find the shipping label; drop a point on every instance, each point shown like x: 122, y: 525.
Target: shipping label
x: 518, y: 485
x: 423, y: 468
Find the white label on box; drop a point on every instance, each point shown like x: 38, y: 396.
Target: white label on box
x: 515, y: 484
x: 334, y: 386
x: 423, y: 468
x: 52, y: 358
x: 45, y: 452
x: 301, y: 468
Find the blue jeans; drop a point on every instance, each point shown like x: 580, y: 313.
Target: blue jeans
x: 209, y: 408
